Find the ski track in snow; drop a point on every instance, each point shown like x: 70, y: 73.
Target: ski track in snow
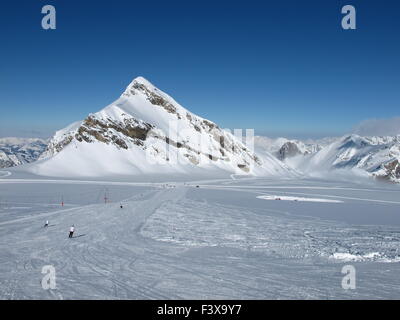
x: 182, y: 243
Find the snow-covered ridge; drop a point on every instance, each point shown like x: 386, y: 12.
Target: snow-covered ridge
x: 375, y: 156
x: 144, y: 128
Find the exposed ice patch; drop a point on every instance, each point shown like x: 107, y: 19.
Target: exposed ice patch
x: 302, y: 199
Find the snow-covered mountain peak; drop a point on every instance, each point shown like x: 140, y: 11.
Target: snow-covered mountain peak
x: 353, y: 141
x: 143, y: 129
x: 141, y: 86
x: 143, y: 81
x: 144, y: 100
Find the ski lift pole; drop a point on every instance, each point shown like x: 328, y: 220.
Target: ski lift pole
x: 105, y: 197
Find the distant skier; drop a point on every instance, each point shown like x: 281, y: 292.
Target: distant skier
x: 46, y: 223
x: 121, y: 206
x: 71, y: 231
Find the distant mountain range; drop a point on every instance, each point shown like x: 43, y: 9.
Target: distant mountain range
x: 17, y: 151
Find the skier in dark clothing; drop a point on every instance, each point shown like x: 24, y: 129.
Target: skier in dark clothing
x: 46, y: 224
x: 71, y: 231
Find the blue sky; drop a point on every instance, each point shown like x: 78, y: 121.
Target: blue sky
x: 280, y: 67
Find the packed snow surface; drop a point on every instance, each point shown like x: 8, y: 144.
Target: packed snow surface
x: 204, y: 239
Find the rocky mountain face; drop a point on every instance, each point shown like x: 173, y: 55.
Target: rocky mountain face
x: 144, y: 131
x: 288, y: 150
x: 17, y: 151
x: 294, y: 148
x: 284, y: 148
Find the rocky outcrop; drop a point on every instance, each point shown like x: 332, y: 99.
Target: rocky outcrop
x: 288, y: 150
x: 112, y: 131
x: 389, y: 171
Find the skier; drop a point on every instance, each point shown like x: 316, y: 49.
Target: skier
x: 46, y: 224
x: 71, y: 231
x: 121, y: 206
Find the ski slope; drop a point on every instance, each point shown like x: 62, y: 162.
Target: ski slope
x: 215, y: 241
